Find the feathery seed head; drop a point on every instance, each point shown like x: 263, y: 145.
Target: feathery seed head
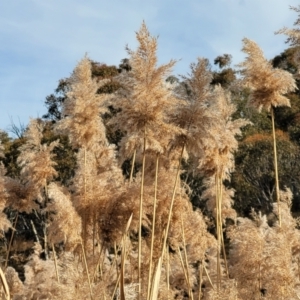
x: 268, y: 84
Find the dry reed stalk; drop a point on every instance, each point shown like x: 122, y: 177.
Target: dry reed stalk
x: 166, y: 231
x: 123, y: 259
x: 123, y: 254
x: 218, y: 234
x: 116, y: 254
x: 45, y: 225
x: 156, y: 280
x: 98, y: 265
x: 116, y: 287
x: 168, y: 269
x: 132, y: 166
x: 35, y: 233
x: 153, y: 227
x: 156, y: 277
x: 114, y: 262
x: 186, y: 260
x: 11, y: 240
x: 209, y: 279
x: 183, y: 266
x: 4, y: 285
x: 84, y: 197
x: 55, y: 263
x: 141, y: 215
x: 276, y: 166
x: 298, y: 268
x: 120, y: 277
x: 221, y: 223
x: 200, y: 280
x: 86, y: 268
x: 94, y: 232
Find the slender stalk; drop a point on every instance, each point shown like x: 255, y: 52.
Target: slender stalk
x: 116, y: 287
x: 140, y: 216
x: 206, y: 272
x: 132, y: 166
x: 120, y: 277
x: 35, y: 233
x: 153, y: 228
x: 168, y: 270
x: 122, y: 272
x: 87, y: 270
x: 11, y: 240
x: 94, y: 232
x: 183, y: 268
x: 45, y: 225
x: 116, y: 254
x: 85, y: 204
x: 276, y: 167
x: 4, y: 285
x: 200, y: 280
x: 172, y: 203
x: 186, y: 260
x: 299, y: 268
x: 55, y: 263
x: 156, y: 277
x: 221, y: 222
x: 218, y: 233
x: 98, y: 263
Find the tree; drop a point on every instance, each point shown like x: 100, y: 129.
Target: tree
x: 226, y: 75
x: 253, y: 179
x: 223, y: 60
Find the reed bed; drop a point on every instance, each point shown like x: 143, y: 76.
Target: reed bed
x: 111, y: 237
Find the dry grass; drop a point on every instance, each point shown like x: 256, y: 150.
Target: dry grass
x: 113, y: 238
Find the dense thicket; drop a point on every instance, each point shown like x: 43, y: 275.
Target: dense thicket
x: 138, y: 185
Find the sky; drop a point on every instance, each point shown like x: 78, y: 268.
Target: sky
x: 42, y: 41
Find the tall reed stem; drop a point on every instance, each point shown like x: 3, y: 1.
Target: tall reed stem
x: 45, y: 225
x: 200, y: 279
x: 153, y: 227
x: 85, y: 204
x: 221, y: 221
x: 218, y: 225
x: 132, y: 166
x: 168, y: 270
x: 4, y: 285
x: 141, y: 215
x: 172, y: 203
x: 87, y: 270
x: 55, y: 263
x: 156, y: 277
x: 276, y: 166
x: 186, y: 260
x: 11, y: 240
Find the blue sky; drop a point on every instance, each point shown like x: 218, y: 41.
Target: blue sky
x: 42, y: 41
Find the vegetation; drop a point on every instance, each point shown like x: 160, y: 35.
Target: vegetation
x: 140, y: 185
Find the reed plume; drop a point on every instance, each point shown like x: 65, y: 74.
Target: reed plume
x: 65, y: 223
x: 82, y: 109
x: 192, y: 114
x: 268, y: 86
x: 143, y: 117
x: 293, y: 34
x: 96, y: 165
x: 261, y: 256
x: 37, y: 170
x: 217, y: 163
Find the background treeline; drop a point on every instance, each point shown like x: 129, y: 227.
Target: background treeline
x: 137, y: 184
x: 252, y: 179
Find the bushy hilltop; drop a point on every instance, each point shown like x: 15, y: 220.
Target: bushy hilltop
x: 140, y: 185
